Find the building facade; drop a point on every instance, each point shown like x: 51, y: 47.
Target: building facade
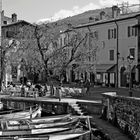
x: 10, y: 28
x: 117, y: 38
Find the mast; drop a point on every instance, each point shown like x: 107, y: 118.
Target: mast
x: 0, y: 20
x: 0, y: 44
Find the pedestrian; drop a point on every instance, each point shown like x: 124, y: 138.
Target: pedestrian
x: 87, y: 85
x: 52, y: 89
x: 59, y: 92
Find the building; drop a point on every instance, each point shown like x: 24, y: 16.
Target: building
x: 8, y: 20
x: 10, y: 28
x: 117, y: 38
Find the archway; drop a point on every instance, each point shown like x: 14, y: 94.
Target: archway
x: 123, y: 78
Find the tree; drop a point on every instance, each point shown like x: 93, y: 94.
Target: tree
x: 38, y: 46
x: 8, y: 47
x: 80, y: 53
x: 41, y: 46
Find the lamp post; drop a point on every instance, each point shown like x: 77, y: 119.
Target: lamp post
x: 22, y: 68
x: 130, y: 60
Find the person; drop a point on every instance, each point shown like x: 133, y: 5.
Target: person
x: 52, y: 89
x: 87, y: 85
x: 58, y: 90
x: 39, y: 88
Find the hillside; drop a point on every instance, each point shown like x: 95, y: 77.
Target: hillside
x: 84, y: 17
x: 88, y: 16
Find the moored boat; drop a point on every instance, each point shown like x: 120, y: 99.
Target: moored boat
x: 29, y: 132
x: 42, y: 126
x: 22, y: 114
x: 25, y: 124
x: 59, y: 136
x: 40, y: 120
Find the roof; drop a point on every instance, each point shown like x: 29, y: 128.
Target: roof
x: 18, y: 22
x: 119, y: 18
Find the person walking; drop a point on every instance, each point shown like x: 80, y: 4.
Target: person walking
x: 87, y: 85
x: 59, y: 94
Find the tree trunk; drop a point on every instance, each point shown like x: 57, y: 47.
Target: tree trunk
x: 1, y: 73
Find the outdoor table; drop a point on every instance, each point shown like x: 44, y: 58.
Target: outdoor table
x: 31, y: 93
x: 15, y: 92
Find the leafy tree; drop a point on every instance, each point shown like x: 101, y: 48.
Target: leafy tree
x: 8, y: 47
x: 80, y: 53
x: 41, y: 48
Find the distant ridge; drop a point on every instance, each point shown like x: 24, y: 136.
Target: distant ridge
x: 82, y: 18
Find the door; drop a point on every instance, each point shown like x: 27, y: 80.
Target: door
x: 123, y: 79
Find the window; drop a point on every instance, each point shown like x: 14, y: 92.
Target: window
x: 112, y: 33
x: 132, y: 52
x: 111, y: 55
x: 108, y: 33
x: 94, y: 34
x: 61, y: 42
x: 4, y: 22
x: 14, y: 71
x: 65, y: 41
x: 115, y: 33
x: 10, y: 34
x: 128, y: 31
x: 132, y: 31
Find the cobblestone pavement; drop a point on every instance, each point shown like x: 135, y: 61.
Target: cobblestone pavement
x: 107, y: 128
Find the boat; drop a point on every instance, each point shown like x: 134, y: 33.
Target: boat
x: 35, y: 129
x: 67, y: 136
x: 29, y: 132
x: 56, y: 118
x: 22, y: 114
x: 40, y: 120
x: 63, y: 130
x: 59, y: 136
x: 26, y: 124
x: 1, y: 105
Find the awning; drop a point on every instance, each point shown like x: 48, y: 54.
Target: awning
x: 137, y: 26
x: 105, y: 67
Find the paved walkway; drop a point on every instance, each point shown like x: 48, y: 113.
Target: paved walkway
x: 69, y: 100
x: 107, y: 128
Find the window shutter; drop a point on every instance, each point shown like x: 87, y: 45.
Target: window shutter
x: 128, y: 31
x: 108, y: 33
x: 115, y: 32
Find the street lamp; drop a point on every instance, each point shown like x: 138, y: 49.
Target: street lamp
x: 130, y: 60
x: 22, y: 68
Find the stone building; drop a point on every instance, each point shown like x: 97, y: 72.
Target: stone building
x: 10, y: 28
x: 117, y: 38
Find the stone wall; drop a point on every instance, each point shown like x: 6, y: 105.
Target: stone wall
x: 90, y: 108
x: 124, y: 112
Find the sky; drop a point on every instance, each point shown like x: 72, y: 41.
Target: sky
x: 46, y: 10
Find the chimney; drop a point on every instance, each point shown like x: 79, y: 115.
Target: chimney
x: 14, y: 17
x: 115, y: 11
x: 102, y: 15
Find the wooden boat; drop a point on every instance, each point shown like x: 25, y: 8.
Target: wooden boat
x: 25, y: 124
x: 60, y: 132
x: 67, y: 136
x: 1, y: 105
x: 40, y: 120
x: 56, y: 118
x: 59, y: 136
x: 39, y: 129
x: 29, y: 132
x: 22, y: 114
